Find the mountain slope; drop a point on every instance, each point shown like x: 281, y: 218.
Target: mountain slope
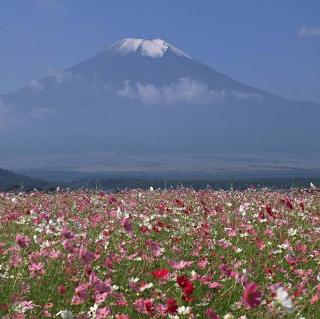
x: 147, y: 95
x: 10, y: 180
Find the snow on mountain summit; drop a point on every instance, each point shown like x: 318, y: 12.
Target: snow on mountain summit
x: 154, y: 48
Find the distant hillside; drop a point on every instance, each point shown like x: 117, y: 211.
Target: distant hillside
x: 13, y: 181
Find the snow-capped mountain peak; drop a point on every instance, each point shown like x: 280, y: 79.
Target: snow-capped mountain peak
x: 153, y: 48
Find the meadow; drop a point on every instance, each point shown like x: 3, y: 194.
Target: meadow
x: 176, y: 253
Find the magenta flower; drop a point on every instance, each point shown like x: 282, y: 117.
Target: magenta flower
x: 23, y: 241
x: 67, y: 233
x: 127, y: 225
x: 86, y: 256
x: 251, y: 297
x: 211, y: 314
x: 144, y: 306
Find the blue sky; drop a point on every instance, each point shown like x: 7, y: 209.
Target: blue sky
x: 273, y: 45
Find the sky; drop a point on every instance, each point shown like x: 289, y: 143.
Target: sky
x: 272, y: 45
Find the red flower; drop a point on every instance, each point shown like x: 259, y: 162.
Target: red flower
x: 61, y: 289
x: 161, y: 274
x: 187, y: 287
x: 187, y: 298
x: 182, y: 281
x: 172, y: 306
x: 269, y: 210
x: 251, y: 297
x: 188, y: 290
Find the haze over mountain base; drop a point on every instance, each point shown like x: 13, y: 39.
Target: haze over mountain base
x: 71, y: 166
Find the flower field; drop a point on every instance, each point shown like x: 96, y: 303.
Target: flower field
x: 160, y: 254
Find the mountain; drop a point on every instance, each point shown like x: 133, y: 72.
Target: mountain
x: 149, y: 96
x: 11, y: 181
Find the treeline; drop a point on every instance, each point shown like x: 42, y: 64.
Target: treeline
x: 146, y: 183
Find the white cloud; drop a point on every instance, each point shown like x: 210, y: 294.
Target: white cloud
x: 127, y: 91
x: 185, y: 90
x: 36, y: 86
x: 309, y: 31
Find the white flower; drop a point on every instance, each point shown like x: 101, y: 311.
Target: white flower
x: 134, y: 279
x: 147, y: 286
x: 93, y: 310
x: 184, y: 310
x: 151, y: 189
x: 285, y: 301
x: 65, y: 314
x: 292, y: 232
x: 228, y: 316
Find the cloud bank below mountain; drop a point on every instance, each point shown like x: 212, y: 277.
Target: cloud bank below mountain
x: 185, y: 90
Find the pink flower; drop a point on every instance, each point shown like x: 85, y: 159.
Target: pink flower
x: 315, y: 298
x: 23, y: 241
x: 86, y: 256
x: 214, y: 285
x: 251, y: 297
x: 178, y: 265
x: 103, y: 313
x: 67, y: 233
x: 100, y: 298
x: 144, y: 306
x: 15, y: 260
x: 27, y: 305
x: 54, y: 254
x: 211, y: 314
x: 36, y: 270
x: 155, y: 248
x: 127, y: 225
x: 80, y: 294
x: 202, y: 264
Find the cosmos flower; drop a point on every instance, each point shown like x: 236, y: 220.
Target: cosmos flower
x: 184, y: 310
x: 172, y: 306
x: 251, y: 297
x: 161, y: 274
x: 283, y: 298
x: 211, y: 314
x: 23, y: 241
x: 65, y: 314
